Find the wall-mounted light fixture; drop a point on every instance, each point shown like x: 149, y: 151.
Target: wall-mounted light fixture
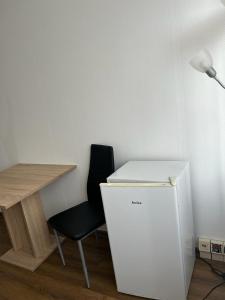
x: 203, y: 62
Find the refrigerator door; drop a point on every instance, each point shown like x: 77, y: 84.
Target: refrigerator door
x: 143, y: 230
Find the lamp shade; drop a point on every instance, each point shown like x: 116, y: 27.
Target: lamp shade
x: 202, y: 61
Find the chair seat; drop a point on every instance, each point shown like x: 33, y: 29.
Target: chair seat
x: 78, y: 221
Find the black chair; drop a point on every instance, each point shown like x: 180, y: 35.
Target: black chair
x: 81, y: 220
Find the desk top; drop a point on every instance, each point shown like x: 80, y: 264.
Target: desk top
x: 23, y: 180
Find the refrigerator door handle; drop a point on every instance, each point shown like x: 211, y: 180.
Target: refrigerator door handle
x: 138, y: 184
x: 172, y: 181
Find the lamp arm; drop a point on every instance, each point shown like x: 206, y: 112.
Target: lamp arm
x: 220, y: 83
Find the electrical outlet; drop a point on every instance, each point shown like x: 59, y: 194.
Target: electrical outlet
x: 217, y: 250
x: 204, y: 245
x: 217, y: 247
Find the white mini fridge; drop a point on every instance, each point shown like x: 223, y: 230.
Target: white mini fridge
x: 148, y: 212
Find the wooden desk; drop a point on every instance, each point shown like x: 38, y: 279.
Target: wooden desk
x: 23, y: 213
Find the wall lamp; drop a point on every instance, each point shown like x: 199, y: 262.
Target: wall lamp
x: 203, y: 62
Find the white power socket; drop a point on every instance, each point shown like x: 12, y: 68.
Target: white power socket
x: 204, y: 246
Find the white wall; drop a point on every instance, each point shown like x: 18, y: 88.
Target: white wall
x: 77, y: 72
x: 8, y: 153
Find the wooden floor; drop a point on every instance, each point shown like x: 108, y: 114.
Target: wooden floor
x: 52, y: 281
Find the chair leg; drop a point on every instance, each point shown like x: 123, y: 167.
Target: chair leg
x: 59, y: 247
x: 83, y: 263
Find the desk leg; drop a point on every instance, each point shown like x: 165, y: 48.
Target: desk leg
x: 29, y: 234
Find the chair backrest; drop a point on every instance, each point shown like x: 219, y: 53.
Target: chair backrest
x: 101, y: 166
